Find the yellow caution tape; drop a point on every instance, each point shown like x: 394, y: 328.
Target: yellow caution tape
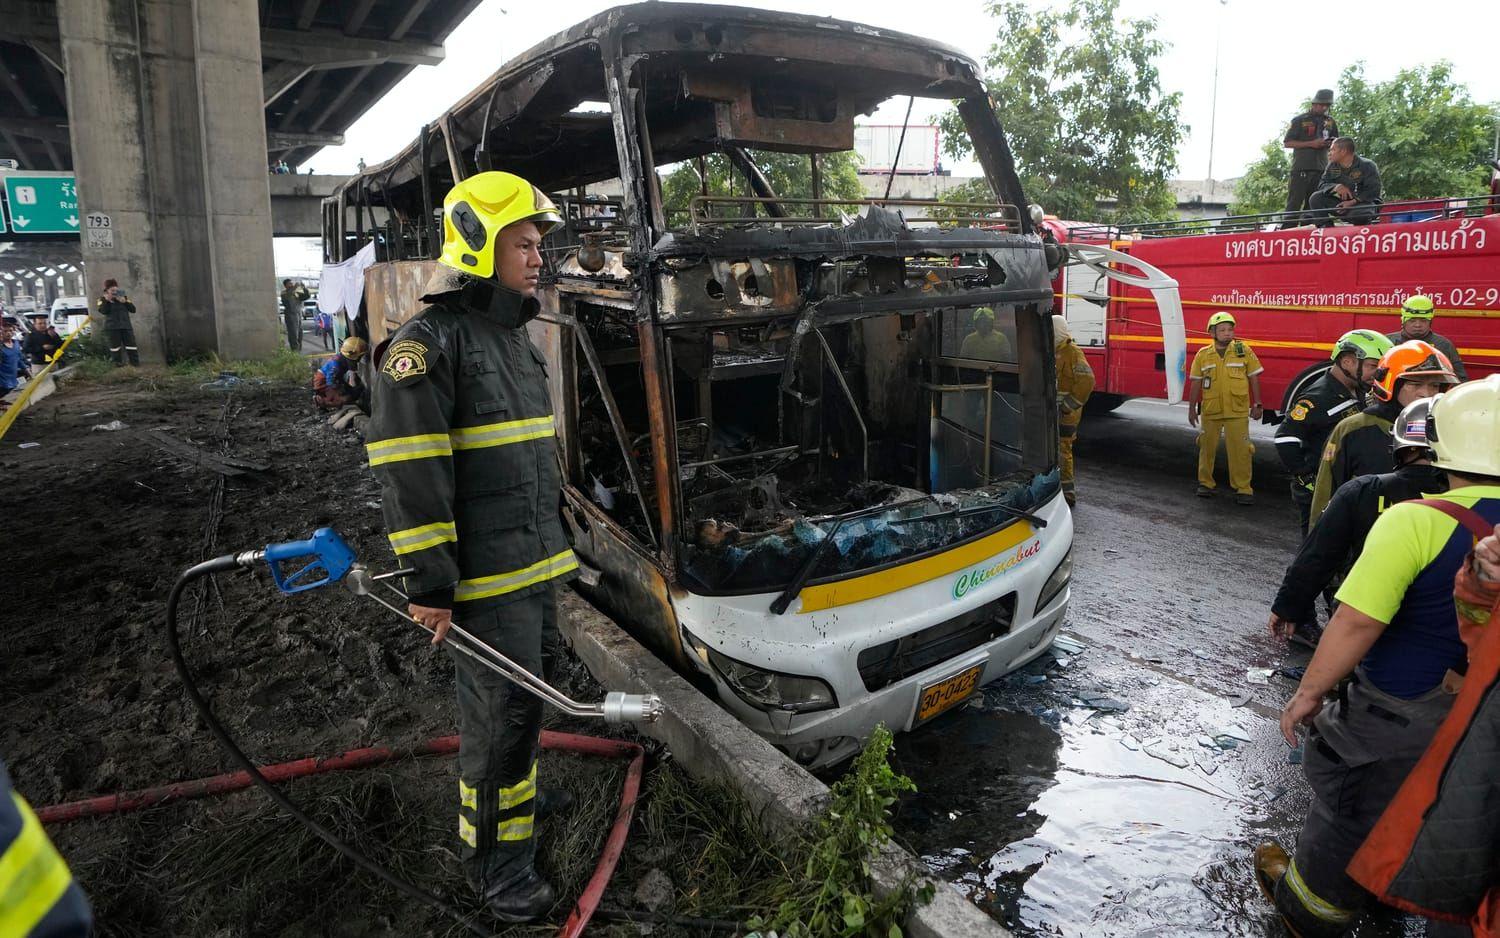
x: 9, y: 417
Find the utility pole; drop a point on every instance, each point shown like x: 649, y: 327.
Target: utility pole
x: 1213, y: 118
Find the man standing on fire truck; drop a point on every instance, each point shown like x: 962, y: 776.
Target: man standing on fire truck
x: 1225, y: 380
x: 1308, y: 138
x: 1299, y: 441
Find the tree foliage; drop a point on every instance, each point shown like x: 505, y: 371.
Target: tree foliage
x: 1422, y: 128
x: 1263, y: 187
x: 1078, y: 92
x: 790, y: 175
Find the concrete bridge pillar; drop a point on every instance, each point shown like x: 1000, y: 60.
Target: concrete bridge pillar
x: 168, y: 132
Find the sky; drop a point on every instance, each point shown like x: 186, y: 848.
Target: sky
x: 1267, y: 66
x: 1265, y: 74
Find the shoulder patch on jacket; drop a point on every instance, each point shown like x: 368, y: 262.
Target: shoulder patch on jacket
x: 1330, y: 450
x: 405, y: 360
x: 1299, y: 410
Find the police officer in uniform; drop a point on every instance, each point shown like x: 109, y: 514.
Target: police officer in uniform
x: 1299, y: 441
x: 1308, y: 138
x: 461, y: 437
x: 1225, y: 382
x: 1075, y: 382
x: 1349, y: 190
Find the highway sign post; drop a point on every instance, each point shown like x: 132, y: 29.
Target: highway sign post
x: 41, y: 203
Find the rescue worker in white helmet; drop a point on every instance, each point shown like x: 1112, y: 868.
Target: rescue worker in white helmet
x: 1338, y: 392
x: 1359, y: 444
x: 1225, y: 389
x: 461, y: 437
x: 1075, y: 382
x: 1417, y: 313
x: 1332, y: 546
x: 1396, y: 636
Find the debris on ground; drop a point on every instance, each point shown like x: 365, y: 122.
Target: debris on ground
x: 110, y: 427
x: 1259, y: 675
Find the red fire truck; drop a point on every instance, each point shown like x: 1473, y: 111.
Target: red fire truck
x: 1293, y: 291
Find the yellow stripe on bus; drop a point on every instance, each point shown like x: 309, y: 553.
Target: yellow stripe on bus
x: 858, y: 589
x: 1266, y: 343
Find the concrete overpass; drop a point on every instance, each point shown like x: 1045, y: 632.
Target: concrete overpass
x: 170, y: 113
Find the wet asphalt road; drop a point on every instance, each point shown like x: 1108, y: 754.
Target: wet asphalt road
x: 1061, y: 818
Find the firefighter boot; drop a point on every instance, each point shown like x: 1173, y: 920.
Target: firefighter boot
x: 1271, y: 867
x: 524, y: 899
x: 551, y: 802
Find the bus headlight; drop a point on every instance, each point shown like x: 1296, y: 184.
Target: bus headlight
x: 1055, y: 583
x: 768, y: 690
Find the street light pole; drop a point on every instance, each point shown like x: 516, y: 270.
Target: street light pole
x: 1213, y: 119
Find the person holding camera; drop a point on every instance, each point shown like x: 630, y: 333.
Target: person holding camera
x: 116, y: 309
x: 292, y: 295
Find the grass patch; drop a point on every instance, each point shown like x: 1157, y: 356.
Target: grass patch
x: 285, y: 366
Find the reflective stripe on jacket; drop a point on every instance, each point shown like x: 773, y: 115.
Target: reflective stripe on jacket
x: 38, y: 898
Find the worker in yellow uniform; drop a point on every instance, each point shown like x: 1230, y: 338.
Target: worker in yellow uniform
x: 985, y: 343
x: 1075, y: 382
x: 1225, y: 391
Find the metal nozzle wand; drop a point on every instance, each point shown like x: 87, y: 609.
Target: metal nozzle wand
x: 617, y: 706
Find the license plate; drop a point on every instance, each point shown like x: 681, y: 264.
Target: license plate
x: 948, y: 693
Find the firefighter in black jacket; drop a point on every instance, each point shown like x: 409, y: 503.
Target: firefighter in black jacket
x: 1332, y: 546
x: 1315, y: 412
x: 461, y: 436
x: 1360, y: 444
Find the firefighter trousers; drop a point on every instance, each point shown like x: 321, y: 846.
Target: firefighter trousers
x: 500, y: 726
x: 1236, y: 433
x: 1358, y: 753
x: 1067, y: 432
x: 122, y: 345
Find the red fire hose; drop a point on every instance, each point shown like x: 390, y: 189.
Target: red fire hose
x: 588, y: 901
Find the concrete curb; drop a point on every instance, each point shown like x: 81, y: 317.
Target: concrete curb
x: 712, y: 745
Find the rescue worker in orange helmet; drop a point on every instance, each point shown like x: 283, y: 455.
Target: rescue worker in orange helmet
x: 1359, y: 445
x: 1075, y: 382
x: 1225, y: 390
x: 1397, y: 637
x: 461, y: 437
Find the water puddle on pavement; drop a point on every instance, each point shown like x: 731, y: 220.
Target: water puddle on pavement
x: 1128, y: 817
x: 1059, y: 818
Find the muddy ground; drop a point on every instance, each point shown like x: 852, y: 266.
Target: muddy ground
x: 100, y: 523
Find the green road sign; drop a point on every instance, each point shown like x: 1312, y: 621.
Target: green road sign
x: 41, y: 203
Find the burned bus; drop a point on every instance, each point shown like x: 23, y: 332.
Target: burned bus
x: 808, y: 443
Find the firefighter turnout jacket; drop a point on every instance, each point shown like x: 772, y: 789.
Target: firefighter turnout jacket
x: 1226, y: 378
x: 1359, y: 445
x: 462, y: 440
x: 1309, y: 421
x: 1075, y: 382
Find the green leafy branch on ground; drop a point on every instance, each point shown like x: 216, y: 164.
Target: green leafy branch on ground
x: 833, y: 895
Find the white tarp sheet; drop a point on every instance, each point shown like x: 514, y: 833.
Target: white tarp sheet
x: 342, y: 285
